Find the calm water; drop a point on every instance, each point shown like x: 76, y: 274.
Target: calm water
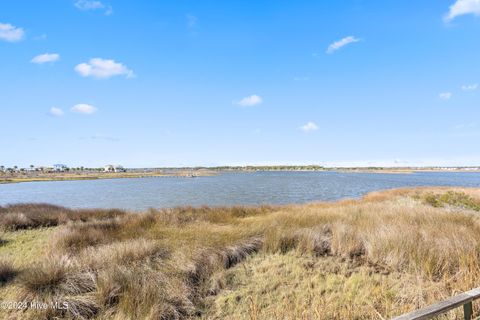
x: 225, y: 189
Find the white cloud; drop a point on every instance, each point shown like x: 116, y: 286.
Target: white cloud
x: 46, y: 57
x: 93, y: 5
x: 470, y: 87
x: 250, y: 101
x: 103, y: 69
x: 341, y: 43
x: 10, y: 33
x: 445, y: 95
x: 83, y: 108
x: 463, y: 7
x: 56, y: 112
x: 309, y: 127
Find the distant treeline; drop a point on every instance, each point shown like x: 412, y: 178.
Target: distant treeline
x: 269, y: 168
x: 307, y: 168
x: 249, y: 168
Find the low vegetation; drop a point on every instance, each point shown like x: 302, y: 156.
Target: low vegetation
x: 93, y: 174
x: 7, y: 272
x: 452, y: 198
x: 28, y: 216
x: 373, y: 258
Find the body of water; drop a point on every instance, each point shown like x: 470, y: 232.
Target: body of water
x: 224, y: 189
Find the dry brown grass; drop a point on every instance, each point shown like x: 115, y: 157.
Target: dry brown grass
x: 37, y: 215
x: 181, y: 263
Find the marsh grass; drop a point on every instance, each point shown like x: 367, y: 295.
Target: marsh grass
x: 7, y: 272
x: 33, y: 215
x: 383, y: 255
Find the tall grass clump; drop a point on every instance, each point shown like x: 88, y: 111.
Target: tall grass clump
x: 36, y: 215
x: 7, y: 272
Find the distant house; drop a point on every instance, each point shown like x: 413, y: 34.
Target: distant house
x: 114, y: 168
x: 120, y: 169
x: 60, y: 167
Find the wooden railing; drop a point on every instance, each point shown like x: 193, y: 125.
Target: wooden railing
x: 464, y: 299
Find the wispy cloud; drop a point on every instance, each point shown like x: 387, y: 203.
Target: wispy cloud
x: 301, y: 78
x: 463, y: 7
x: 56, y: 112
x: 470, y: 87
x: 10, y: 33
x: 250, y: 101
x: 83, y: 108
x: 46, y: 57
x: 465, y: 130
x: 103, y: 69
x: 463, y: 126
x: 309, y: 127
x: 86, y: 5
x: 100, y: 137
x: 40, y: 37
x: 445, y: 95
x: 341, y: 43
x: 192, y: 20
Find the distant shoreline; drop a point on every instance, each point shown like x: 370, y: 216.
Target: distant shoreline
x: 201, y: 172
x: 100, y: 176
x: 404, y: 171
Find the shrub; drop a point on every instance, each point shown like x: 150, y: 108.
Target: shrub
x: 454, y: 199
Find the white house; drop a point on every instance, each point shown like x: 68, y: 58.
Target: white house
x: 114, y: 168
x: 119, y: 168
x: 60, y: 167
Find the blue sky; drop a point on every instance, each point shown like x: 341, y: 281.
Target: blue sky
x: 180, y: 83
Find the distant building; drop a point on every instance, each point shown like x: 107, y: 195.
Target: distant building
x: 114, y: 168
x: 60, y: 167
x: 120, y: 169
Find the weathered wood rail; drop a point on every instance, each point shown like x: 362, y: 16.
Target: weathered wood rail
x: 464, y: 299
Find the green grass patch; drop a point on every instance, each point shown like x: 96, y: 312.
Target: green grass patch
x: 23, y: 247
x: 454, y: 199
